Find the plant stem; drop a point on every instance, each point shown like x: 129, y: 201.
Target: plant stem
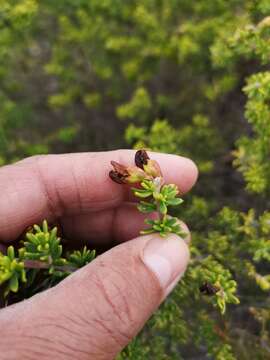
x: 36, y: 264
x: 158, y: 186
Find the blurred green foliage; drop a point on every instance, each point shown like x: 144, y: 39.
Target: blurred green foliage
x: 186, y: 77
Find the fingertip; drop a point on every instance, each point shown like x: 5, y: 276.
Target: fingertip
x: 191, y: 175
x: 186, y: 174
x: 167, y: 258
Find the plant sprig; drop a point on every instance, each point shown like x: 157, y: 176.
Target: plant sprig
x: 41, y: 253
x: 155, y: 196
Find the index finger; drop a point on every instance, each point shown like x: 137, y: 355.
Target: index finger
x: 52, y: 186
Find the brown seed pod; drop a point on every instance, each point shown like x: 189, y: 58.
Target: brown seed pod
x: 116, y: 177
x: 119, y: 168
x: 208, y: 289
x: 152, y: 168
x: 141, y: 158
x: 135, y: 175
x: 119, y: 174
x: 126, y: 175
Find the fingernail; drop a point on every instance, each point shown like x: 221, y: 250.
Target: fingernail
x: 174, y: 283
x: 167, y: 258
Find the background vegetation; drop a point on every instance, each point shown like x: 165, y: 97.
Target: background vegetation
x: 181, y: 76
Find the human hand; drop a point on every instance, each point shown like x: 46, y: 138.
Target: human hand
x: 96, y: 311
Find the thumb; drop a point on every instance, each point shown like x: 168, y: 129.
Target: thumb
x: 96, y: 311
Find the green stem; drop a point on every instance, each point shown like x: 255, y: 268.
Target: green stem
x: 160, y: 215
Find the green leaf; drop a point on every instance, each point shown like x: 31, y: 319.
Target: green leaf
x: 11, y: 252
x: 170, y: 221
x: 169, y: 191
x: 14, y: 283
x: 146, y: 207
x: 149, y: 221
x: 37, y: 228
x: 142, y: 193
x: 45, y: 226
x: 163, y: 208
x: 148, y: 185
x: 32, y: 238
x: 157, y: 227
x: 175, y: 201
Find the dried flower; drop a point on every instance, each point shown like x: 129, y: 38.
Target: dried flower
x: 141, y: 158
x: 126, y: 175
x: 208, y: 289
x: 119, y: 173
x: 135, y: 175
x: 152, y: 168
